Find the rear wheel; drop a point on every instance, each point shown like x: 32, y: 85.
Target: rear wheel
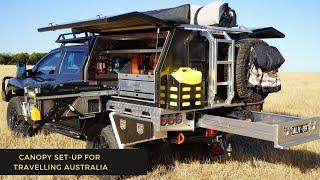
x: 16, y: 124
x: 254, y: 107
x: 106, y: 140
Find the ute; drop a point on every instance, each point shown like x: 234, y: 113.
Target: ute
x: 183, y: 74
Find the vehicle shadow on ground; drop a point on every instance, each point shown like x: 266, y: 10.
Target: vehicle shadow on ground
x: 247, y: 150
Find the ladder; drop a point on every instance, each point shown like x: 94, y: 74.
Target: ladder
x: 229, y: 64
x: 214, y: 62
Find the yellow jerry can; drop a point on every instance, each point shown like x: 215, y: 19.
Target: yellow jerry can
x: 185, y: 89
x: 35, y: 114
x: 188, y: 76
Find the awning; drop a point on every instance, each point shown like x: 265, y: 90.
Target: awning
x: 124, y: 22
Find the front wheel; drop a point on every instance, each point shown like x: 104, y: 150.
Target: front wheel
x: 16, y: 124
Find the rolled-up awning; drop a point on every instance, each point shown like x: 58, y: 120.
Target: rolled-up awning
x: 124, y: 22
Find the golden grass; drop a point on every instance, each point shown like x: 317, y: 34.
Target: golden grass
x: 252, y: 159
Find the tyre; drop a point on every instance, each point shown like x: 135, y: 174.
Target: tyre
x: 16, y: 125
x: 242, y: 68
x: 89, y: 144
x: 106, y: 140
x: 255, y: 107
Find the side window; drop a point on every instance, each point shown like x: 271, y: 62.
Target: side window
x: 49, y: 64
x: 72, y: 62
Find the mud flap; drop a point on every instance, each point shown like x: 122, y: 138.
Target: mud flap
x: 130, y: 130
x: 3, y: 90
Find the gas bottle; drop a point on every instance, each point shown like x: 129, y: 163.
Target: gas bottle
x: 135, y: 62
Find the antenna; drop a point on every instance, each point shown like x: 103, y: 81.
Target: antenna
x: 99, y: 16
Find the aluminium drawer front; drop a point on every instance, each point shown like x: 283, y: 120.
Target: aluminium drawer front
x: 137, y: 86
x: 284, y: 131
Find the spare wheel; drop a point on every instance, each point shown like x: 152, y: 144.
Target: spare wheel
x: 242, y: 67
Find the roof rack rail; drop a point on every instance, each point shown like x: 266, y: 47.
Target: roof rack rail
x: 74, y: 37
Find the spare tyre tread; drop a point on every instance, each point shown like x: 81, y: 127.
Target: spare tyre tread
x: 241, y: 70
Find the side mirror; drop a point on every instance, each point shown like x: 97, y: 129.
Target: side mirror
x: 21, y: 70
x: 29, y: 73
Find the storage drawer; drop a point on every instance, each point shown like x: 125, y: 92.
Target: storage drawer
x: 137, y: 86
x: 137, y: 95
x: 284, y: 131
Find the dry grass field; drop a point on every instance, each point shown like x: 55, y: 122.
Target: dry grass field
x: 252, y: 159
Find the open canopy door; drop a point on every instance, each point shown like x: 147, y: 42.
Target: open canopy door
x: 267, y: 33
x: 124, y: 22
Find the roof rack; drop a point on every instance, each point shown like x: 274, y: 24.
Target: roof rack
x: 74, y: 37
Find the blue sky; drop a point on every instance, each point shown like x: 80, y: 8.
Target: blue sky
x: 299, y: 20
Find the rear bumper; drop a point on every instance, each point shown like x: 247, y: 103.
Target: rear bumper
x: 3, y: 90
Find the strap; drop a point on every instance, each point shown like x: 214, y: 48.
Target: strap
x: 196, y: 16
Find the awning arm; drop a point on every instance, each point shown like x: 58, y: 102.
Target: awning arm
x: 214, y: 28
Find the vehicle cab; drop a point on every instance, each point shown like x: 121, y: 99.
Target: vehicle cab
x: 60, y: 65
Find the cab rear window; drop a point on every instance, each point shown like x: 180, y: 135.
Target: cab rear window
x: 72, y: 62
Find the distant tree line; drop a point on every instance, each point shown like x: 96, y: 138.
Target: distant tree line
x: 31, y: 59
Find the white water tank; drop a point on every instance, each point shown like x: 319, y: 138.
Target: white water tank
x: 207, y: 15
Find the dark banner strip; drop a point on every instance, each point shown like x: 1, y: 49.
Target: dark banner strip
x: 73, y: 162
